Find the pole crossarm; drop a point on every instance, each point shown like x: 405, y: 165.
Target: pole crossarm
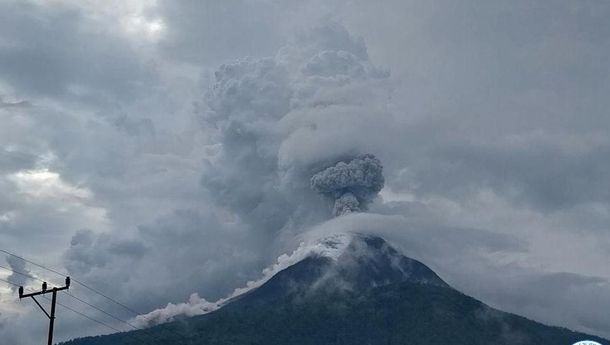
x: 44, y: 291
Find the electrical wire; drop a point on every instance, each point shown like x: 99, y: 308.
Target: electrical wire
x: 100, y: 310
x: 74, y: 280
x: 101, y: 322
x: 83, y: 314
x: 8, y: 282
x: 68, y: 308
x: 110, y: 315
x: 69, y: 294
x: 81, y: 300
x: 88, y: 317
x: 31, y: 262
x: 21, y: 273
x: 144, y: 332
x: 76, y: 298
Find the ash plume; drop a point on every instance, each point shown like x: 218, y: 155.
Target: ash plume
x: 351, y: 184
x: 280, y: 131
x: 274, y: 120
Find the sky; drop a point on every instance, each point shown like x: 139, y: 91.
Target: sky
x: 160, y: 149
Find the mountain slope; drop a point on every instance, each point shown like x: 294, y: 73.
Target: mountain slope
x: 367, y: 294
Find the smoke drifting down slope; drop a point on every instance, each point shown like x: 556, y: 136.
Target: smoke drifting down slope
x: 331, y: 247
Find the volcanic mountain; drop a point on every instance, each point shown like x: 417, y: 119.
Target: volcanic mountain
x: 358, y: 290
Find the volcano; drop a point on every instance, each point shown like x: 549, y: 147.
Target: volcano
x: 358, y: 290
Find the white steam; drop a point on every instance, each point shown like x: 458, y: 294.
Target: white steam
x: 331, y: 247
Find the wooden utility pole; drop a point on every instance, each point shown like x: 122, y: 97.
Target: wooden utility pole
x: 54, y: 291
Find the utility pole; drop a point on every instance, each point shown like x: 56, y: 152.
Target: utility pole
x: 54, y: 291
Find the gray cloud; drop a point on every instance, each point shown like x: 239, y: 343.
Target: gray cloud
x: 492, y: 130
x: 537, y: 171
x: 17, y: 265
x: 15, y: 160
x: 500, y: 106
x: 60, y: 51
x: 194, y: 28
x: 14, y: 104
x: 558, y: 297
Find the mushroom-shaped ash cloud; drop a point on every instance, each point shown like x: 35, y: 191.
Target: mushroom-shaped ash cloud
x: 351, y: 184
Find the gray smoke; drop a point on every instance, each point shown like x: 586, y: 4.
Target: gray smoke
x: 351, y: 184
x: 273, y: 121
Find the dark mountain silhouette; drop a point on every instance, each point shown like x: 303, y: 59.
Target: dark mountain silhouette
x: 368, y: 294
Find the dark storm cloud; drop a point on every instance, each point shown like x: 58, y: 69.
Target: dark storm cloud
x: 58, y: 51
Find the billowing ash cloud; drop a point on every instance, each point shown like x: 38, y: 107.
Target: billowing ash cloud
x: 351, y: 184
x: 276, y: 121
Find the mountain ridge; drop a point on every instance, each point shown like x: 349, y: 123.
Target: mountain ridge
x: 362, y: 292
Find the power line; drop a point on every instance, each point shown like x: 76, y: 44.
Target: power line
x: 67, y: 293
x: 71, y: 295
x: 22, y: 274
x: 100, y: 309
x: 50, y: 314
x: 144, y: 332
x: 105, y: 312
x: 6, y: 281
x: 85, y: 315
x: 83, y: 301
x: 90, y: 318
x: 80, y: 313
x: 75, y: 281
x: 109, y: 298
x: 122, y: 305
x: 33, y: 263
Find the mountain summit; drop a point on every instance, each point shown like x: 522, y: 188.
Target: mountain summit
x: 348, y: 263
x: 351, y: 289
